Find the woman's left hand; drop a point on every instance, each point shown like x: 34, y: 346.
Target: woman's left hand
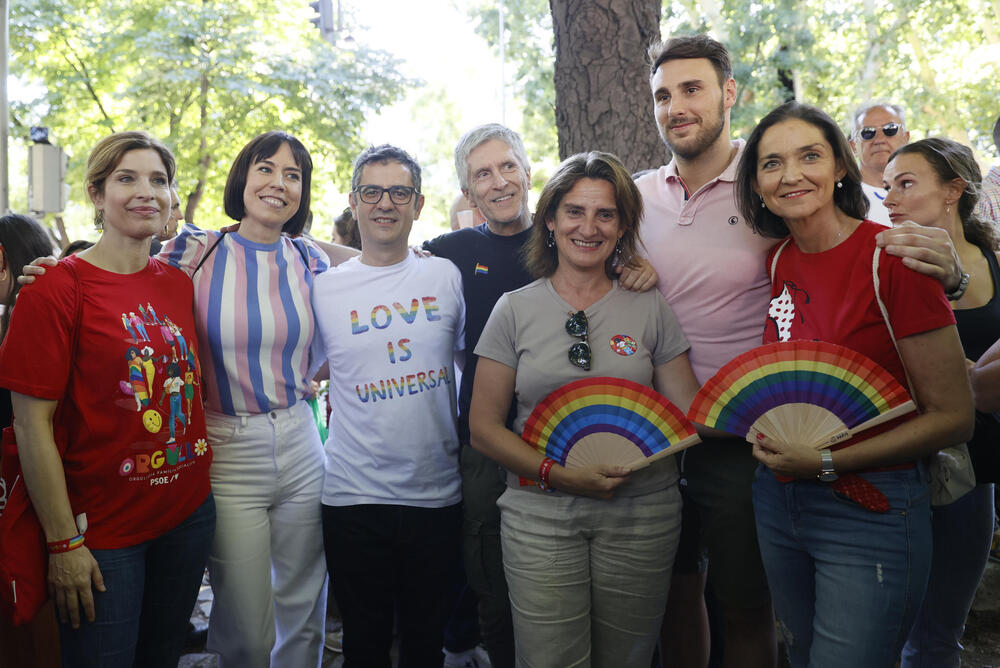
x: 796, y: 461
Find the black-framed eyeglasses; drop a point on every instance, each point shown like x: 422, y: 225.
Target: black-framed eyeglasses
x: 579, y: 353
x: 889, y: 130
x: 397, y: 194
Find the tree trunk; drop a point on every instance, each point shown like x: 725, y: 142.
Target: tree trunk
x: 603, y: 101
x: 204, y: 156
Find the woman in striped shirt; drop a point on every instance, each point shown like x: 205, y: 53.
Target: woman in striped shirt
x: 252, y: 285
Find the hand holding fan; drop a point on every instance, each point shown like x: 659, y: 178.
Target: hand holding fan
x: 610, y: 421
x: 808, y: 392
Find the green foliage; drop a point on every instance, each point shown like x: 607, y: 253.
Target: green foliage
x: 913, y: 52
x: 529, y: 49
x: 940, y: 59
x: 205, y: 76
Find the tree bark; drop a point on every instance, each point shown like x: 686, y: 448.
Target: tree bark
x: 603, y: 101
x: 204, y: 156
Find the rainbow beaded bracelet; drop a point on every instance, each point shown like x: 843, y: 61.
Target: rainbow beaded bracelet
x: 60, y: 546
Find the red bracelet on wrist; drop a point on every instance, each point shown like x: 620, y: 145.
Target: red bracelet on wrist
x: 543, y: 473
x: 68, y: 545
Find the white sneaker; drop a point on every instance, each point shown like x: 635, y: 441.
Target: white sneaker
x: 334, y: 641
x: 473, y: 658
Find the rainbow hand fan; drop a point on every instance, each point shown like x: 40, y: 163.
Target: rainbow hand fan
x: 605, y: 420
x: 809, y: 392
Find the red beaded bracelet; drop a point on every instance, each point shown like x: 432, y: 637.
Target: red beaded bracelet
x: 68, y: 545
x: 543, y: 473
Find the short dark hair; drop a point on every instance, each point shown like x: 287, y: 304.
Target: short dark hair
x: 541, y: 260
x: 23, y: 239
x: 996, y: 134
x: 951, y: 160
x: 849, y: 198
x: 689, y: 47
x: 260, y: 148
x: 385, y: 153
x: 346, y: 227
x: 75, y: 247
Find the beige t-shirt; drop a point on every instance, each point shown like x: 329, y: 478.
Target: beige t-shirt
x: 527, y: 332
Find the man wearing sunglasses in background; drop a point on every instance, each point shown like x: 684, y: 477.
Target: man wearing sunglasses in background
x: 391, y: 326
x: 879, y: 128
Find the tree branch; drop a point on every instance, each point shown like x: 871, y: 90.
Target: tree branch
x: 81, y: 69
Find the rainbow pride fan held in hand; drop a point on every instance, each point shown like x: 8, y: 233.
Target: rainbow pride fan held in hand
x: 610, y: 421
x: 808, y: 392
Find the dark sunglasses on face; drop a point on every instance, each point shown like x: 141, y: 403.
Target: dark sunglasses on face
x: 579, y: 353
x: 889, y: 130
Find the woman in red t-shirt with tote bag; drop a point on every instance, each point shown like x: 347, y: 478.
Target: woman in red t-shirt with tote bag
x: 124, y: 503
x: 845, y: 532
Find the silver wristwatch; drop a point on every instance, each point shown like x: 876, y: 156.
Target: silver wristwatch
x: 827, y: 472
x: 959, y: 291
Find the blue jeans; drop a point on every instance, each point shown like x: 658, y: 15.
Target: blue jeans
x: 962, y: 534
x: 846, y: 582
x: 142, y: 618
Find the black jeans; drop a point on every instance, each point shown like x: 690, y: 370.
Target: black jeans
x: 386, y: 558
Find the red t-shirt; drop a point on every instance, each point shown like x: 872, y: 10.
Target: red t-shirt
x: 137, y: 458
x: 830, y: 296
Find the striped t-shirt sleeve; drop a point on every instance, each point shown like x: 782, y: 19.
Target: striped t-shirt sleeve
x: 188, y: 248
x: 319, y: 261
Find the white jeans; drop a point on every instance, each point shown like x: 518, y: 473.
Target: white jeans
x: 267, y: 566
x: 588, y: 578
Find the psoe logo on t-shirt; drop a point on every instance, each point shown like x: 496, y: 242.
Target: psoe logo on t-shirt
x: 624, y: 345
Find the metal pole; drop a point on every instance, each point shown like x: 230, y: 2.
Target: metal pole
x: 503, y: 78
x: 4, y: 109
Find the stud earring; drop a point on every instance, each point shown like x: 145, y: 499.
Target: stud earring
x: 840, y: 184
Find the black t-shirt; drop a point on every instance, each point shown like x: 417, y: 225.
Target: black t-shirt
x: 490, y: 265
x: 979, y: 328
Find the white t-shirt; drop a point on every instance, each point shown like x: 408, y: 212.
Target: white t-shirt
x: 876, y: 205
x: 390, y: 334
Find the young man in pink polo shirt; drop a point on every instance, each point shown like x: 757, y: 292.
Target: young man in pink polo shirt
x: 712, y: 271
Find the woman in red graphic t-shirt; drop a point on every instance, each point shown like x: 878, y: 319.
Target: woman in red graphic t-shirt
x: 125, y: 506
x: 846, y: 559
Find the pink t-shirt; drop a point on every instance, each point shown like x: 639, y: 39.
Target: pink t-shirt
x: 711, y: 264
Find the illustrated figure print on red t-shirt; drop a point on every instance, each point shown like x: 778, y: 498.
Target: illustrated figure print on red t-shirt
x: 130, y: 406
x: 158, y: 381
